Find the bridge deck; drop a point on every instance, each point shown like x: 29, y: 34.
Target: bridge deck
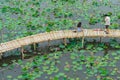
x: 53, y: 36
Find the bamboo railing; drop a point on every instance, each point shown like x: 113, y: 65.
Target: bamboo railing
x: 54, y: 35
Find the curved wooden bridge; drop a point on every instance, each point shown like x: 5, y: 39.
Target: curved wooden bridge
x: 53, y: 35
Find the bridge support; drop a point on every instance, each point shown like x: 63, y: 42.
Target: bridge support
x: 22, y: 52
x: 0, y: 55
x: 34, y: 45
x: 64, y: 41
x: 82, y: 42
x: 49, y: 43
x: 100, y: 39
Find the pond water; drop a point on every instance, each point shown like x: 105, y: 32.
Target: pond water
x: 54, y: 68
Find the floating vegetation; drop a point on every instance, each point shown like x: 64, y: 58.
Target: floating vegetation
x: 96, y: 61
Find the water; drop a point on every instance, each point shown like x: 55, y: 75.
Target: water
x: 17, y: 70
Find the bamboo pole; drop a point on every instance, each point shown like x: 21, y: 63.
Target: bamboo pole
x: 100, y: 39
x: 49, y: 43
x: 64, y: 41
x: 1, y: 35
x: 83, y: 39
x: 83, y: 42
x: 0, y: 55
x: 34, y: 45
x: 22, y: 52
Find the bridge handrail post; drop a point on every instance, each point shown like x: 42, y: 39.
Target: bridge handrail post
x: 34, y: 45
x: 0, y: 55
x: 64, y: 38
x: 64, y: 41
x: 48, y: 42
x: 83, y: 39
x: 22, y: 52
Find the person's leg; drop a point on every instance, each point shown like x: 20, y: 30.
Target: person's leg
x: 107, y: 29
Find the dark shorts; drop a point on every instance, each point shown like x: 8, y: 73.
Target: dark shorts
x: 106, y: 26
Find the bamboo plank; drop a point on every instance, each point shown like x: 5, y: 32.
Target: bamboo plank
x: 3, y: 47
x: 45, y: 38
x: 54, y: 36
x: 66, y: 33
x: 40, y: 38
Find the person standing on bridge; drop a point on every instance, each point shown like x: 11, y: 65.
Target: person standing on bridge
x: 79, y: 27
x: 107, y: 24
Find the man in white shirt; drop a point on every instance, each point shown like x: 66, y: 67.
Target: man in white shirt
x: 107, y: 24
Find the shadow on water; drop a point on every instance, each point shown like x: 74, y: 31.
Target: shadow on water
x: 8, y: 60
x: 29, y: 52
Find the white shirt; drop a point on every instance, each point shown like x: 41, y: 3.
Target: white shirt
x: 107, y: 20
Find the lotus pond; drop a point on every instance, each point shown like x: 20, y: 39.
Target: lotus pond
x: 96, y: 61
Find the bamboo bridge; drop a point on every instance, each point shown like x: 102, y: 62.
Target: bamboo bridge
x: 54, y: 35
